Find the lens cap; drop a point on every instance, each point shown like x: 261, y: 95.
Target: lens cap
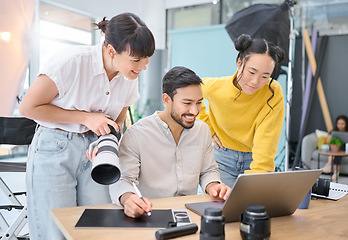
x: 213, y: 212
x: 256, y: 209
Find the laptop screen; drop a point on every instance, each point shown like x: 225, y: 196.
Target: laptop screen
x: 280, y: 192
x: 341, y: 135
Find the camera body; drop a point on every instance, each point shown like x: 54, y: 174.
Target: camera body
x: 106, y: 167
x: 255, y: 223
x: 212, y: 225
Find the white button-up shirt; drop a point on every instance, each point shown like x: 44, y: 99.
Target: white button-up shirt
x: 149, y: 155
x: 82, y: 83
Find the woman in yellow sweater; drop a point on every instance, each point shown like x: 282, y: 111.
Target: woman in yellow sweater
x: 246, y: 111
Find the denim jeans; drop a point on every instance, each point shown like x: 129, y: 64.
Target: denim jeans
x: 231, y: 163
x: 58, y: 176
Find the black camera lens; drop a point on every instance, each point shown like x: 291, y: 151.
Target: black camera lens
x: 255, y: 223
x: 114, y: 132
x: 321, y: 186
x: 212, y: 225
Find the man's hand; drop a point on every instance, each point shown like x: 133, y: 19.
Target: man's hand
x: 218, y: 190
x: 134, y: 206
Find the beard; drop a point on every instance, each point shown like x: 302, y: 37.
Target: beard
x: 180, y: 121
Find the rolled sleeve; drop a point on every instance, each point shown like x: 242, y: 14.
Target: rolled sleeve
x: 210, y: 171
x: 129, y: 166
x: 266, y: 139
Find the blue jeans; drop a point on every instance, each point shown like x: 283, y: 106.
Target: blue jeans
x: 231, y: 163
x: 58, y: 176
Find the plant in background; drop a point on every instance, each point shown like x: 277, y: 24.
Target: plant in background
x: 335, y: 144
x: 139, y: 115
x: 336, y: 141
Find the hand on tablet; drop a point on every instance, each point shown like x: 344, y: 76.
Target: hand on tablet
x: 134, y: 206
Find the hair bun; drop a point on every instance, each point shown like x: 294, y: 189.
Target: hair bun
x: 102, y: 24
x: 242, y: 42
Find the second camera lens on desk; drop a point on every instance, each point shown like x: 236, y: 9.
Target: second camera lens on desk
x: 255, y: 223
x: 321, y: 187
x: 212, y: 225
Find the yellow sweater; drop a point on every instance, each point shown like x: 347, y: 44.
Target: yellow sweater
x: 245, y: 124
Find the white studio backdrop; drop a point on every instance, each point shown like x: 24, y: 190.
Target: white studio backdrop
x: 16, y: 21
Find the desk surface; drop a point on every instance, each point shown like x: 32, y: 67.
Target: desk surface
x: 324, y: 219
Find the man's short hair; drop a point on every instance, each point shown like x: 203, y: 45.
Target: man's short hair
x: 179, y: 77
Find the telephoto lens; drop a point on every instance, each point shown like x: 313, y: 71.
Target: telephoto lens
x: 255, y: 223
x: 105, y: 166
x: 321, y: 186
x: 212, y: 225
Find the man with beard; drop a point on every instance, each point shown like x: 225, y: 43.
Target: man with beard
x: 168, y: 153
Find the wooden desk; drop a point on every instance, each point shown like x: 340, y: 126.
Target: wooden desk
x: 324, y: 219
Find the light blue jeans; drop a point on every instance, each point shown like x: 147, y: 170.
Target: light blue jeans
x: 58, y: 176
x: 231, y: 163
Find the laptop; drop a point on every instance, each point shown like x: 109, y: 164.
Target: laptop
x: 341, y: 135
x: 280, y: 192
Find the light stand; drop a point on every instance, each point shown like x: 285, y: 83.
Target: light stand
x: 292, y: 36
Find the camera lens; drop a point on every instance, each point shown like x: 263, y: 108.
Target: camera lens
x: 321, y: 186
x: 255, y: 223
x: 212, y: 225
x: 105, y: 167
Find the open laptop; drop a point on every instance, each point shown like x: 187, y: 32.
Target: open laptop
x: 341, y: 135
x: 280, y: 192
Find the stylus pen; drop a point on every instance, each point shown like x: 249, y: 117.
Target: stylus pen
x: 140, y: 196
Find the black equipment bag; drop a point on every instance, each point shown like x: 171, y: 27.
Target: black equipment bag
x: 16, y: 130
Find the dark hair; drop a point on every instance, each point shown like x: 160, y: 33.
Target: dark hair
x: 246, y: 46
x: 345, y: 119
x: 179, y: 77
x: 127, y: 29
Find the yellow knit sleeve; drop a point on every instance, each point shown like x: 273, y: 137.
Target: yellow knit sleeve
x: 267, y: 135
x: 203, y: 114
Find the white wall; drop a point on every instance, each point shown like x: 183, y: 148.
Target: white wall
x: 152, y: 12
x: 183, y: 3
x: 16, y: 17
